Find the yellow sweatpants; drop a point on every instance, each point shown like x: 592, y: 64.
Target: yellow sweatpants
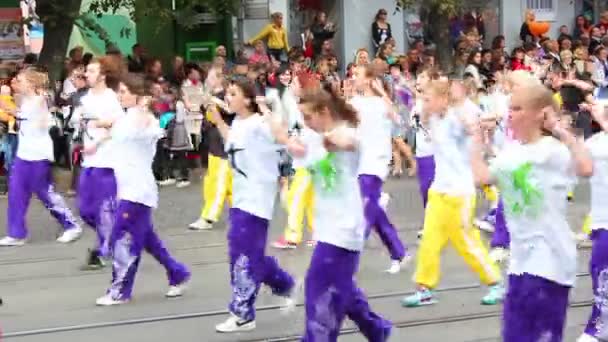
x: 217, y: 188
x: 491, y: 193
x: 449, y: 218
x: 587, y: 225
x: 300, y: 198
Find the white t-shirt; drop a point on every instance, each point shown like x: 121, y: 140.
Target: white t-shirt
x: 375, y: 135
x: 598, y: 147
x: 254, y: 158
x: 424, y: 146
x: 35, y: 143
x: 542, y: 243
x: 451, y: 142
x: 338, y: 217
x: 103, y: 106
x: 133, y: 169
x: 285, y: 107
x: 314, y: 143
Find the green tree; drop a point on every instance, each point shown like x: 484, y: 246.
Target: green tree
x: 60, y: 16
x: 440, y: 11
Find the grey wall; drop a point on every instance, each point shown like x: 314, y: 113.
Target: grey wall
x: 358, y: 16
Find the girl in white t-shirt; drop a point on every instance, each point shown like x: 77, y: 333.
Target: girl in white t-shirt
x: 340, y: 223
x: 375, y: 152
x: 598, y: 265
x: 534, y: 174
x: 449, y: 213
x: 423, y: 147
x: 31, y: 169
x: 252, y: 153
x: 299, y: 191
x: 137, y: 134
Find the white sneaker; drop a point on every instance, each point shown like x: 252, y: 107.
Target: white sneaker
x: 397, y: 265
x: 290, y: 303
x: 499, y: 255
x: 587, y: 338
x: 419, y: 234
x: 201, y: 224
x: 70, y: 235
x: 177, y: 290
x: 183, y: 184
x: 484, y: 225
x: 583, y: 241
x: 107, y: 300
x: 167, y: 182
x: 384, y: 200
x: 11, y: 242
x: 235, y: 324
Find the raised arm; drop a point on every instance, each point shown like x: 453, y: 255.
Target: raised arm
x: 481, y: 170
x: 262, y: 35
x: 280, y: 131
x: 583, y: 164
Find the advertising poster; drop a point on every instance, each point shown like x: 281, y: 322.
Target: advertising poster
x: 12, y: 48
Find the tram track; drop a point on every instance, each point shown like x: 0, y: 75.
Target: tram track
x: 408, y: 324
x: 405, y: 324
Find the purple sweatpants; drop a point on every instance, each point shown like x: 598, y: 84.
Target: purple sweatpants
x: 501, y: 237
x: 133, y: 232
x: 371, y: 189
x: 34, y: 177
x: 250, y: 266
x: 598, y: 267
x: 331, y: 294
x: 97, y: 203
x: 534, y: 309
x: 426, y: 175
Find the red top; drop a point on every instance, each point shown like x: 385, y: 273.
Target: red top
x: 519, y: 65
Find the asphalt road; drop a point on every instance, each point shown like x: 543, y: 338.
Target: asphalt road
x: 47, y: 298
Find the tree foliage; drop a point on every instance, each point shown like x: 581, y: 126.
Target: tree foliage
x: 186, y: 10
x: 59, y: 16
x: 444, y: 7
x: 440, y: 11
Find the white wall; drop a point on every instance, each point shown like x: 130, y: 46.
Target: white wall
x: 251, y: 27
x: 357, y: 22
x: 513, y: 17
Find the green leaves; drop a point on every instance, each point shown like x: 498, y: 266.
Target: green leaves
x: 445, y: 7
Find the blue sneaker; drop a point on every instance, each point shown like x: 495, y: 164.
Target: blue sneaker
x: 495, y: 295
x: 420, y: 298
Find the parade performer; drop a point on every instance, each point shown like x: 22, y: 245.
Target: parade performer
x: 451, y: 206
x: 137, y: 134
x: 300, y: 194
x: 252, y: 152
x: 375, y: 153
x: 31, y: 169
x: 598, y: 223
x: 533, y: 175
x: 423, y: 147
x: 97, y: 184
x: 340, y: 223
x: 217, y: 184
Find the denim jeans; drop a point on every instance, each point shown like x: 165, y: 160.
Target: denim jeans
x: 8, y: 146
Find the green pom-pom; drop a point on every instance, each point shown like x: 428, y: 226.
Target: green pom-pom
x: 325, y: 172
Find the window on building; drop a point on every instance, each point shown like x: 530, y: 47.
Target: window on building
x: 545, y: 10
x: 256, y: 9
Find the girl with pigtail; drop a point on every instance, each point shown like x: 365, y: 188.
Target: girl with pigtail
x: 339, y: 220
